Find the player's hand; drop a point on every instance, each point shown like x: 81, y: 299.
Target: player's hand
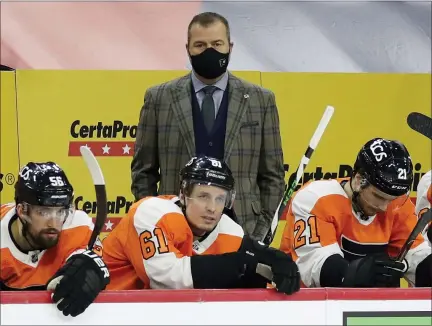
x: 78, y: 282
x: 377, y: 270
x: 286, y: 276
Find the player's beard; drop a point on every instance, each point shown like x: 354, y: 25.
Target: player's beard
x: 42, y: 240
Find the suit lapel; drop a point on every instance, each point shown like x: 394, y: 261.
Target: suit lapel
x: 182, y: 108
x: 237, y: 105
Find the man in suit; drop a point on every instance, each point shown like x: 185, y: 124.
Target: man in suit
x: 211, y: 112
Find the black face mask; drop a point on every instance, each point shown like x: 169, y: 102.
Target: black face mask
x: 210, y: 64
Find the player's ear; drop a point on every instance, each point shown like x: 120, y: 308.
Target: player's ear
x: 20, y: 210
x: 357, y: 181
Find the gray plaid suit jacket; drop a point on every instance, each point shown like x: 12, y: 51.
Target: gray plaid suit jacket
x: 165, y: 143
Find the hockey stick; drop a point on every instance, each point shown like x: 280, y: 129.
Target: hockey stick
x: 420, y: 123
x: 101, y: 196
x: 313, y: 143
x: 101, y: 203
x: 423, y: 220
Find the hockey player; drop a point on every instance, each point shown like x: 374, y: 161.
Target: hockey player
x: 424, y: 199
x: 345, y: 232
x: 170, y: 242
x: 43, y: 241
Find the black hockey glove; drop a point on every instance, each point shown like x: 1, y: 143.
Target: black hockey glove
x: 78, y: 282
x: 286, y: 276
x: 423, y: 273
x: 373, y: 271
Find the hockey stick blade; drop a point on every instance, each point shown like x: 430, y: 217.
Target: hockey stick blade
x: 313, y: 143
x: 420, y: 123
x: 423, y: 220
x: 101, y: 196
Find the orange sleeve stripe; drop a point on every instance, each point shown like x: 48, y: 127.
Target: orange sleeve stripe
x: 4, y: 209
x: 77, y: 238
x: 225, y: 243
x: 288, y: 233
x: 123, y: 248
x: 133, y: 241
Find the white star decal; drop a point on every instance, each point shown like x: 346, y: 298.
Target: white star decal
x: 126, y: 149
x: 106, y: 149
x: 109, y: 225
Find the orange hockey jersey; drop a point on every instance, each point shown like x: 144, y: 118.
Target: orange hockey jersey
x: 32, y: 270
x: 321, y: 223
x: 152, y: 245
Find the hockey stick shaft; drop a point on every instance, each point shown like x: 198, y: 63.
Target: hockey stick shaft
x: 420, y: 123
x: 422, y: 221
x: 313, y: 143
x: 100, y: 189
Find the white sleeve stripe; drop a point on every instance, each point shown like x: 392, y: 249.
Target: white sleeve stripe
x: 310, y: 264
x: 153, y: 209
x: 311, y: 257
x: 422, y: 190
x: 166, y: 271
x: 414, y: 257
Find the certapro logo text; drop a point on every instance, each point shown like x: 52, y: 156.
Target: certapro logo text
x: 118, y: 207
x: 104, y: 135
x: 406, y: 318
x: 344, y: 171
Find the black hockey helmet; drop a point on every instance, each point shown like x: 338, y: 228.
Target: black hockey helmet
x: 209, y: 171
x: 43, y: 184
x: 386, y: 164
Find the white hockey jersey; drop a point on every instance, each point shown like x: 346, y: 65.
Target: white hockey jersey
x: 424, y: 195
